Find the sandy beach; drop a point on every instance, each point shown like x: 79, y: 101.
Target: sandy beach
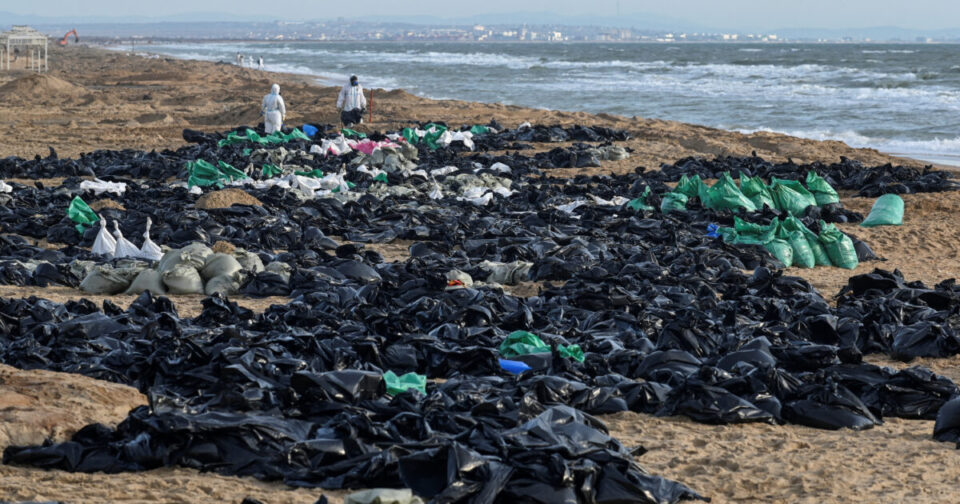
x: 97, y: 99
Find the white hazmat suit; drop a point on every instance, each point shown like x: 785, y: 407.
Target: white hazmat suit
x: 351, y: 98
x: 274, y: 110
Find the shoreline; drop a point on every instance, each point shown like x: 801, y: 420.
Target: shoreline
x: 110, y: 98
x: 933, y: 159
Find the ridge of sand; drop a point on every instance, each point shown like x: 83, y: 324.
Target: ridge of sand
x: 38, y: 86
x: 226, y: 198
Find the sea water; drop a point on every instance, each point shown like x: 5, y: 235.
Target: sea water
x: 898, y: 98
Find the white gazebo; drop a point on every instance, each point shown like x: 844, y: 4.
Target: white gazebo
x: 23, y: 42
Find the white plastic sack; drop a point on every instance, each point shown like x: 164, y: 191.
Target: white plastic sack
x: 101, y: 186
x: 4, y: 187
x: 464, y: 136
x: 503, y: 191
x: 446, y: 170
x: 149, y: 250
x: 124, y: 247
x: 334, y: 181
x: 500, y: 168
x: 477, y: 196
x: 615, y: 201
x: 435, y: 192
x: 570, y: 207
x: 105, y: 245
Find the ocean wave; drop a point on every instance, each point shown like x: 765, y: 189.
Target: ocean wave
x: 948, y: 147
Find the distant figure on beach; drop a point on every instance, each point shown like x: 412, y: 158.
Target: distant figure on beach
x: 351, y: 103
x: 260, y: 64
x: 274, y: 110
x: 239, y: 59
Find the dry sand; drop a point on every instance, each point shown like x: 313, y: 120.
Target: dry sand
x: 226, y: 198
x: 96, y: 99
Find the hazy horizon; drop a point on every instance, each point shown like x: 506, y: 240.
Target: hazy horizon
x: 727, y: 15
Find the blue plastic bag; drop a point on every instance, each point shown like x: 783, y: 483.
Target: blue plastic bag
x: 309, y: 130
x: 514, y: 367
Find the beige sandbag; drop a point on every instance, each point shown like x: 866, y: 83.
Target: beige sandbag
x: 220, y: 265
x: 147, y: 280
x: 280, y: 268
x: 249, y: 261
x: 105, y: 280
x: 194, y: 255
x: 224, y: 284
x: 183, y: 279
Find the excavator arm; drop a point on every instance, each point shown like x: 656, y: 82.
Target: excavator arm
x: 66, y: 37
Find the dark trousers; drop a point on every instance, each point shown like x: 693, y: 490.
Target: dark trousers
x: 351, y: 117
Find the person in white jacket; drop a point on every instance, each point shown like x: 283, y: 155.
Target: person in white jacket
x: 274, y: 110
x: 351, y: 103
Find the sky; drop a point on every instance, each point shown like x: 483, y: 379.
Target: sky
x: 725, y: 14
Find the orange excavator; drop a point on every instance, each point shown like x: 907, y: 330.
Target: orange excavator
x: 76, y: 38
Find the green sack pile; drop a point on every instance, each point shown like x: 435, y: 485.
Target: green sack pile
x: 82, y: 214
x: 252, y: 136
x: 752, y: 194
x: 886, y: 211
x: 203, y: 173
x: 793, y: 244
x: 400, y: 384
x: 520, y: 343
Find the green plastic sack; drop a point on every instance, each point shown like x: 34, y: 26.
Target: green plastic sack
x: 822, y: 191
x: 886, y: 211
x: 522, y: 343
x: 230, y: 172
x: 748, y: 233
x: 638, y: 204
x: 757, y: 191
x: 478, y: 129
x: 571, y: 352
x: 781, y: 250
x: 820, y: 257
x: 270, y: 171
x: 400, y: 384
x: 410, y: 135
x: 673, y: 202
x: 349, y: 133
x: 725, y: 195
x: 314, y: 173
x: 432, y: 136
x: 81, y: 213
x: 381, y: 178
x: 203, y: 174
x: 802, y: 254
x: 689, y: 187
x: 839, y: 246
x: 350, y: 185
x: 791, y: 196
